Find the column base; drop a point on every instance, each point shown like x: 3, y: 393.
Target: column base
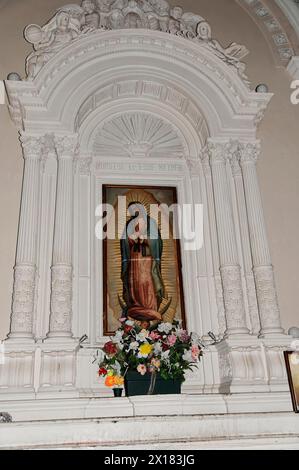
x: 252, y: 364
x: 273, y: 333
x: 237, y: 334
x: 19, y: 338
x: 53, y: 338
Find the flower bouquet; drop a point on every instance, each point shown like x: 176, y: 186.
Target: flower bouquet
x: 164, y: 351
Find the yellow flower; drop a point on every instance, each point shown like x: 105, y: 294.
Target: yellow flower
x: 145, y: 349
x: 118, y: 380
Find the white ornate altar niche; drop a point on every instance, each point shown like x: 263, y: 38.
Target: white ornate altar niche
x: 165, y: 106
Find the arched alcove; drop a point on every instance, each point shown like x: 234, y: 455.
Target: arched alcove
x: 195, y: 92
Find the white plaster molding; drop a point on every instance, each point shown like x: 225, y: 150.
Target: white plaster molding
x: 137, y: 135
x: 262, y: 266
x: 270, y: 21
x: 62, y: 267
x: 251, y: 295
x: 291, y: 10
x: 23, y: 303
x: 229, y: 264
x: 72, y: 23
x: 170, y: 49
x: 61, y: 300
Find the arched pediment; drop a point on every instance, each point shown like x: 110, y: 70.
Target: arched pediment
x: 196, y: 76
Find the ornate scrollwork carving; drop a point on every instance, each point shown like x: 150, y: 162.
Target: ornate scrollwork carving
x: 267, y: 298
x: 61, y: 299
x: 218, y: 152
x: 23, y: 298
x: 67, y: 146
x: 32, y: 145
x: 249, y: 152
x: 73, y: 21
x: 233, y: 297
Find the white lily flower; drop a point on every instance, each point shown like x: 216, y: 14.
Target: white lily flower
x: 164, y: 355
x: 142, y: 336
x: 157, y: 348
x: 118, y: 337
x: 165, y: 327
x: 133, y: 346
x: 187, y: 356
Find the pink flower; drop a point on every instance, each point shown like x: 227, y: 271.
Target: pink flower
x: 171, y: 340
x: 153, y: 335
x: 141, y: 369
x: 195, y: 352
x: 183, y: 335
x: 122, y: 319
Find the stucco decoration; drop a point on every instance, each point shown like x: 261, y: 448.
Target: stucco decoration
x: 71, y: 22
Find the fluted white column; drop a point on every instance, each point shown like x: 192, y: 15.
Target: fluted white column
x: 25, y: 267
x: 62, y: 267
x: 205, y: 160
x: 229, y: 264
x: 262, y: 266
x: 244, y: 231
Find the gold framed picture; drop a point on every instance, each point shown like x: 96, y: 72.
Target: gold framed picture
x: 292, y: 365
x: 142, y: 274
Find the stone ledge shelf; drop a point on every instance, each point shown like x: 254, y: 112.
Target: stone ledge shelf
x: 280, y: 427
x: 158, y: 405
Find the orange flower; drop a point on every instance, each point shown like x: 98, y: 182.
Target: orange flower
x: 110, y: 381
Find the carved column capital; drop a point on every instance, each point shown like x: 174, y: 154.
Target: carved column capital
x: 32, y: 145
x: 249, y: 152
x: 218, y: 152
x: 67, y: 146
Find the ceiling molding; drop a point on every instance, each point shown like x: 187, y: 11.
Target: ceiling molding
x: 275, y: 27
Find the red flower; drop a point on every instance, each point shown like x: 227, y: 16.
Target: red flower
x: 110, y: 348
x: 165, y: 347
x: 128, y: 328
x: 102, y: 371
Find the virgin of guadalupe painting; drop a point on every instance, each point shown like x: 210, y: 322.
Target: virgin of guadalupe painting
x: 142, y: 263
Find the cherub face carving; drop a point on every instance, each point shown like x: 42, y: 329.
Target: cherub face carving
x: 177, y: 12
